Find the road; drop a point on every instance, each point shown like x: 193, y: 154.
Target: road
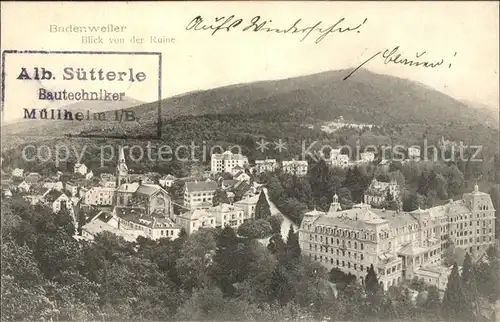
x: 285, y: 225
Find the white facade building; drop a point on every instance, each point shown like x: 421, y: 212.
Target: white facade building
x: 227, y: 161
x: 100, y: 196
x: 81, y: 169
x: 295, y: 167
x: 397, y: 244
x: 268, y: 165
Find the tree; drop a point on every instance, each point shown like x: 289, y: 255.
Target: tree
x: 433, y: 302
x: 196, y: 259
x: 280, y: 287
x: 374, y: 291
x: 275, y: 221
x: 262, y: 208
x: 220, y: 196
x: 454, y: 302
x: 255, y: 229
x: 292, y: 244
x: 388, y: 196
x: 277, y: 246
x: 227, y: 268
x: 467, y: 274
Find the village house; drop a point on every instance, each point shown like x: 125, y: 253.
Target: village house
x: 336, y: 159
x: 81, y: 169
x: 377, y: 192
x: 167, y: 181
x: 268, y: 165
x: 18, y: 172
x: 91, y: 229
x: 52, y: 184
x: 89, y: 175
x: 199, y: 194
x: 414, y: 153
x: 154, y: 226
x: 58, y: 200
x: 366, y: 157
x: 248, y: 206
x: 242, y: 176
x: 6, y: 192
x: 295, y: 167
x: 227, y: 161
x: 38, y: 193
x: 24, y: 186
x: 227, y: 215
x: 196, y: 219
x: 72, y: 187
x: 100, y: 196
x: 29, y: 181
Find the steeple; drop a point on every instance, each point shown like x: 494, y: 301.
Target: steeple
x: 121, y: 168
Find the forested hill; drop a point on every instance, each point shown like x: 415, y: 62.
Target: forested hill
x: 406, y: 110
x: 364, y: 97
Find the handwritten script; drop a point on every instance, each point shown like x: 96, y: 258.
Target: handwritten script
x: 393, y: 56
x: 319, y: 29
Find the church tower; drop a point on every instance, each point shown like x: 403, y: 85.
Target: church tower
x: 121, y: 169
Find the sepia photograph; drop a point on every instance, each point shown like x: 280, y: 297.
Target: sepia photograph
x: 250, y: 161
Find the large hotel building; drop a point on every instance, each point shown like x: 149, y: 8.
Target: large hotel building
x: 400, y: 245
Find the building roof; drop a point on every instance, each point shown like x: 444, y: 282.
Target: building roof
x: 295, y: 162
x: 239, y: 174
x: 249, y: 201
x: 31, y: 179
x: 196, y: 214
x: 228, y: 155
x: 201, y: 186
x: 148, y: 189
x: 230, y: 183
x: 97, y: 226
x: 412, y: 249
x: 106, y: 175
x: 75, y: 200
x: 128, y: 187
x: 38, y: 190
x: 224, y: 207
x: 53, y: 195
x: 137, y: 215
x: 267, y: 161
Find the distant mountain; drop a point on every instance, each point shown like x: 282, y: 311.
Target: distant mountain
x: 365, y: 97
x: 484, y: 108
x: 38, y: 127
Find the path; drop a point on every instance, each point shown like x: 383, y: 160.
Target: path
x: 285, y: 225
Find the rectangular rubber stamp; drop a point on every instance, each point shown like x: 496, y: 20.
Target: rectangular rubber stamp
x: 102, y: 94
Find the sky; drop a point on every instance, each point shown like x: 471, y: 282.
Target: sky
x: 463, y: 34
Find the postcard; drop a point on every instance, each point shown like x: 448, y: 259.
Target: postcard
x: 250, y: 161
